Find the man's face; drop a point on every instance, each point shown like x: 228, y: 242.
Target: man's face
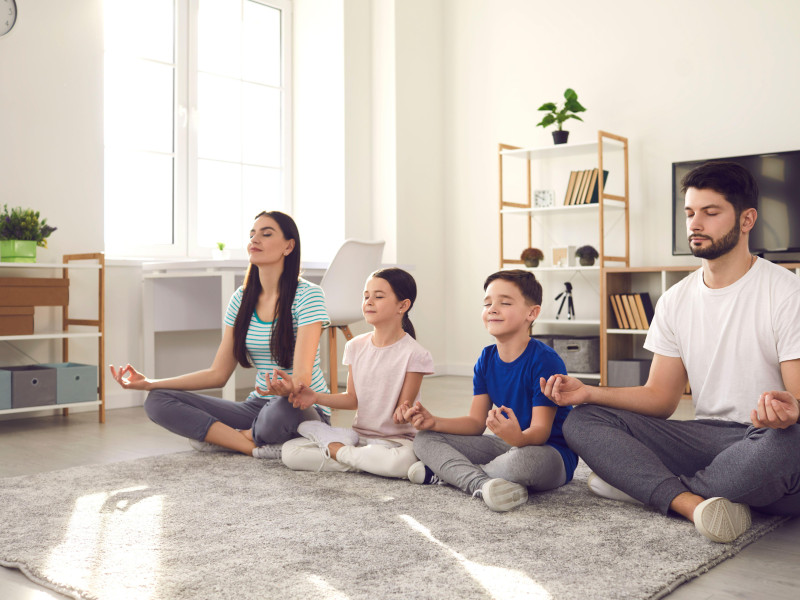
x: 711, y: 223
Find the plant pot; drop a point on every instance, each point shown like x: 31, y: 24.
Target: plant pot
x: 586, y: 261
x: 217, y: 254
x: 560, y: 137
x: 531, y: 263
x: 18, y: 251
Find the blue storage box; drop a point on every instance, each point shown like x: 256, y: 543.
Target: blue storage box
x: 32, y: 385
x: 5, y: 390
x: 74, y: 382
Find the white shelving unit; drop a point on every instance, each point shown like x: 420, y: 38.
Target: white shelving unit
x: 94, y: 262
x: 563, y: 226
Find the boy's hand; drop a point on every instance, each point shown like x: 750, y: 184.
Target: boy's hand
x: 775, y: 410
x: 504, y: 424
x: 564, y: 390
x: 419, y: 417
x: 399, y: 415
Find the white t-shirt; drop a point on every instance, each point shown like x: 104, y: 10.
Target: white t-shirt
x: 378, y: 376
x: 731, y: 340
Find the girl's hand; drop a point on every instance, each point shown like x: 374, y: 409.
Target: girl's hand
x: 304, y: 398
x: 399, y: 415
x: 129, y: 378
x: 280, y: 387
x: 504, y: 424
x: 419, y: 417
x: 775, y: 410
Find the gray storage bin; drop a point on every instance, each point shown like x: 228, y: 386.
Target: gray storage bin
x: 627, y: 373
x: 74, y: 382
x: 550, y: 338
x: 580, y: 354
x: 32, y: 385
x: 5, y: 389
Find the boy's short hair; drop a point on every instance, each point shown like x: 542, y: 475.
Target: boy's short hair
x: 729, y: 179
x: 528, y: 285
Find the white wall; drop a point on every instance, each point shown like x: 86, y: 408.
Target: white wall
x: 683, y: 80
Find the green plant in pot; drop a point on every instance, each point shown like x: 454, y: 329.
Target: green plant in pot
x: 556, y: 116
x: 21, y: 231
x: 531, y: 257
x: 586, y: 255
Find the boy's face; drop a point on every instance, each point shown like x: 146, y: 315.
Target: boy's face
x: 505, y: 312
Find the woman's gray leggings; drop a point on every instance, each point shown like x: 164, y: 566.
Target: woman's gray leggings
x: 273, y: 420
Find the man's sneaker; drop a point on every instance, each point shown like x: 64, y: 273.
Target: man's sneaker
x: 501, y: 495
x: 323, y: 434
x: 268, y: 451
x: 420, y: 473
x: 605, y: 490
x: 209, y: 447
x: 721, y: 520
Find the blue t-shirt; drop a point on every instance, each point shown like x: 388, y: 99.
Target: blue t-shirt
x: 515, y: 385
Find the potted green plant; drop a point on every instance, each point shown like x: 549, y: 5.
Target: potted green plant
x: 531, y: 257
x: 21, y: 231
x: 219, y: 253
x: 586, y: 255
x: 557, y: 117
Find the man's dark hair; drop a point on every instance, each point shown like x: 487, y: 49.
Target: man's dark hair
x: 730, y: 179
x: 526, y: 281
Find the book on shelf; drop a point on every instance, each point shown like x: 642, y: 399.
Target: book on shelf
x: 575, y: 176
x: 645, y: 307
x: 632, y: 311
x: 617, y: 314
x: 591, y: 179
x: 593, y: 196
x: 570, y: 187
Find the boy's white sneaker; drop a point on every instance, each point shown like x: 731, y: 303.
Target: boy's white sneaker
x: 721, y: 520
x: 267, y: 451
x: 501, y: 495
x: 605, y: 490
x: 323, y: 434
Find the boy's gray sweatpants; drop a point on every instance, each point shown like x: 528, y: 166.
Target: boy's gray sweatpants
x: 469, y: 461
x: 273, y: 420
x: 654, y: 459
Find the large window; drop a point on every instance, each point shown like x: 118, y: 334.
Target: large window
x: 196, y: 122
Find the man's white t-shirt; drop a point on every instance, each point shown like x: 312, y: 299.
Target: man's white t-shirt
x: 731, y: 340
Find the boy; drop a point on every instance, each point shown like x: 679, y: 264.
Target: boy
x: 526, y: 448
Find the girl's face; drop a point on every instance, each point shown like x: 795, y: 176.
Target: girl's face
x: 267, y: 244
x: 380, y: 305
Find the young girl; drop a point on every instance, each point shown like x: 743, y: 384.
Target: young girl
x: 385, y: 373
x: 273, y: 321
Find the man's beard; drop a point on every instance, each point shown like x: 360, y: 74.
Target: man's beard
x: 718, y: 247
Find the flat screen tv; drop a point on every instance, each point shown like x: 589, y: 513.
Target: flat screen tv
x: 776, y: 234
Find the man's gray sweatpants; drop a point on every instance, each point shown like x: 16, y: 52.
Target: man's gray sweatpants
x: 655, y: 459
x: 469, y: 461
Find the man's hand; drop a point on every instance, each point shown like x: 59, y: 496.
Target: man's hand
x: 504, y: 424
x: 776, y: 410
x: 419, y: 417
x: 564, y: 390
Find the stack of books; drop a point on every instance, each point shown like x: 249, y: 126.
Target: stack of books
x: 583, y: 187
x: 632, y: 311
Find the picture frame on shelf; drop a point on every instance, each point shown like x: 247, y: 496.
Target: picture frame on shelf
x: 544, y: 198
x: 564, y: 256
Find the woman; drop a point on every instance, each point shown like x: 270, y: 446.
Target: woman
x: 275, y: 321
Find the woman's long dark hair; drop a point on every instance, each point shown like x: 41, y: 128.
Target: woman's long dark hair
x: 404, y: 288
x: 282, y: 339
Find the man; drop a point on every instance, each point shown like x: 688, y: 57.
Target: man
x: 732, y: 329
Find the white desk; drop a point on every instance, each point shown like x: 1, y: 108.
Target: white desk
x: 190, y: 295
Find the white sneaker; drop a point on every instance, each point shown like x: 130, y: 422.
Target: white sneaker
x: 600, y: 488
x: 323, y: 434
x: 209, y: 447
x: 268, y: 451
x: 420, y: 473
x: 721, y: 520
x: 501, y: 495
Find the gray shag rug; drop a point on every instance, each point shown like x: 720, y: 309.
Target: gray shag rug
x: 217, y: 525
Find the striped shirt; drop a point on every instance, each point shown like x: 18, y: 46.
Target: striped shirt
x: 308, y: 307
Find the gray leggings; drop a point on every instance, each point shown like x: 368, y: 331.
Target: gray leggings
x: 469, y: 461
x: 654, y: 460
x: 273, y: 420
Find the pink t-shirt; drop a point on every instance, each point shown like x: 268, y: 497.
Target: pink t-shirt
x: 378, y: 375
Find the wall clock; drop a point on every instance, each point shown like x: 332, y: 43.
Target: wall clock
x: 8, y: 15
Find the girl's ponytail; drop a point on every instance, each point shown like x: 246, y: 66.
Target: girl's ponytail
x: 404, y: 287
x: 407, y: 325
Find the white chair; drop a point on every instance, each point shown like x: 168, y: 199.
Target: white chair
x: 343, y: 284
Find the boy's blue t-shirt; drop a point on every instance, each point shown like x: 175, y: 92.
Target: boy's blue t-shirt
x: 515, y: 385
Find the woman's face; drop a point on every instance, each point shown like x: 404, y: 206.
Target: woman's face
x: 267, y: 244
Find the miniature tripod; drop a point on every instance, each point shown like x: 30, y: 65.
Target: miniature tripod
x: 566, y: 296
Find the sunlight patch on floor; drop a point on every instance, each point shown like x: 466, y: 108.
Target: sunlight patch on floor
x: 115, y: 533
x: 326, y: 590
x: 500, y: 583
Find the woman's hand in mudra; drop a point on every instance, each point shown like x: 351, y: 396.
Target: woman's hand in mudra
x: 280, y: 384
x: 129, y: 378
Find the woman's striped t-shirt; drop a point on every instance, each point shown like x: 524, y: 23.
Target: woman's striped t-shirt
x: 308, y: 307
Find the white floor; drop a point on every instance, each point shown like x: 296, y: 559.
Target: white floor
x: 765, y: 569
